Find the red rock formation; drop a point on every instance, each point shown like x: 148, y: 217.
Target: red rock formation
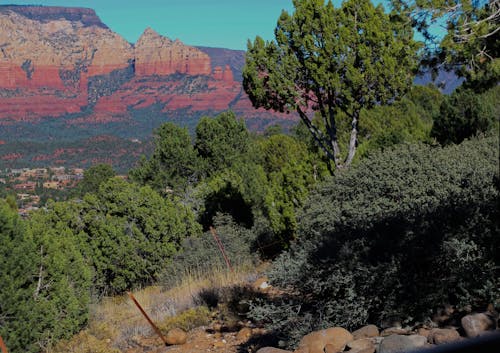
x: 158, y: 55
x: 227, y: 76
x: 218, y: 73
x: 50, y: 57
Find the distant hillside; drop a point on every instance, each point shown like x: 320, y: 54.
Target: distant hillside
x: 64, y: 75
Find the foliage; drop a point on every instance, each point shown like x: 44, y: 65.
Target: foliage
x: 187, y: 320
x: 132, y: 232
x: 331, y: 60
x: 45, y: 282
x: 471, y: 45
x: 371, y: 238
x: 93, y: 177
x: 221, y: 141
x: 127, y: 233
x: 201, y: 255
x: 406, y: 121
x: 291, y: 171
x: 174, y: 163
x: 465, y: 114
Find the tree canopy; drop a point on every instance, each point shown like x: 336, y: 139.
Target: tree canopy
x: 471, y: 44
x: 331, y: 61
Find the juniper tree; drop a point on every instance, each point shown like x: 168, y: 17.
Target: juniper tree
x: 333, y: 62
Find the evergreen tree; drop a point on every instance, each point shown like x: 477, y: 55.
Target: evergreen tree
x: 174, y: 163
x: 331, y: 60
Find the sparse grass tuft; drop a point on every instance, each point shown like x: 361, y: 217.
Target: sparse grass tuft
x: 187, y: 320
x: 114, y: 321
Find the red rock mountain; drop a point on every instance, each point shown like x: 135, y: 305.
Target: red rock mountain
x: 56, y: 60
x: 64, y: 74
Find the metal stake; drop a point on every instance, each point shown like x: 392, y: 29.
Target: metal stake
x: 3, y: 347
x: 157, y: 330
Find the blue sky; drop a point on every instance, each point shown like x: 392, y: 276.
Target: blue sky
x: 213, y: 23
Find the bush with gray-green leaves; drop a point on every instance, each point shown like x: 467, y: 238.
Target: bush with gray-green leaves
x: 401, y: 233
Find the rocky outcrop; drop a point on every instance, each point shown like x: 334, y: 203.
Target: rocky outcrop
x: 57, y: 53
x: 66, y: 60
x: 63, y: 70
x: 158, y: 55
x: 86, y: 16
x: 225, y: 74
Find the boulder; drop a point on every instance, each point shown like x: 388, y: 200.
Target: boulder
x: 335, y: 338
x: 244, y: 334
x: 476, y: 324
x: 443, y: 335
x: 272, y: 350
x: 363, y: 345
x: 422, y: 331
x: 366, y: 332
x: 395, y: 331
x: 399, y: 343
x: 176, y: 336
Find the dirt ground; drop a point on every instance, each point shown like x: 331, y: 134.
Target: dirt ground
x: 206, y: 339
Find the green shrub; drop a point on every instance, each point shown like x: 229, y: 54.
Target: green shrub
x: 187, y: 320
x: 200, y: 255
x: 403, y: 232
x: 45, y: 282
x: 465, y: 114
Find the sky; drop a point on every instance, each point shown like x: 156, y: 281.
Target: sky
x: 213, y: 23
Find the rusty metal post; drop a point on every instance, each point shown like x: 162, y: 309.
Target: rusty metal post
x: 221, y: 248
x: 3, y: 347
x: 157, y: 330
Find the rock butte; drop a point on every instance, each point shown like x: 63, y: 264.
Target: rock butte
x: 57, y: 60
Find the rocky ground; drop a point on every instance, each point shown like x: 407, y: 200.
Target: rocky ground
x: 243, y: 337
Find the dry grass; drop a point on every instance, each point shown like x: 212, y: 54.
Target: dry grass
x: 116, y: 320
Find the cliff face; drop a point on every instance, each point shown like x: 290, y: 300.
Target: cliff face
x: 158, y: 55
x: 64, y: 64
x: 64, y: 76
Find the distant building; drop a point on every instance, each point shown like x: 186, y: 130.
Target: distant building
x: 58, y: 170
x: 51, y: 185
x: 27, y: 186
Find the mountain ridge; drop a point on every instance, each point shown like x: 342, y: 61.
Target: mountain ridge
x: 65, y: 75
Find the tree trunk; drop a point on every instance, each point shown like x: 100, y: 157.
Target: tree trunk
x: 318, y: 136
x: 40, y: 275
x: 353, y: 141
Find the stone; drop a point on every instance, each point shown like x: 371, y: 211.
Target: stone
x: 443, y: 335
x: 259, y: 331
x: 219, y: 344
x: 244, y: 334
x: 395, y: 331
x: 422, y: 331
x: 366, y: 332
x: 272, y: 350
x: 476, y: 324
x: 401, y: 343
x: 336, y: 338
x: 361, y: 344
x: 261, y: 283
x: 176, y: 336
